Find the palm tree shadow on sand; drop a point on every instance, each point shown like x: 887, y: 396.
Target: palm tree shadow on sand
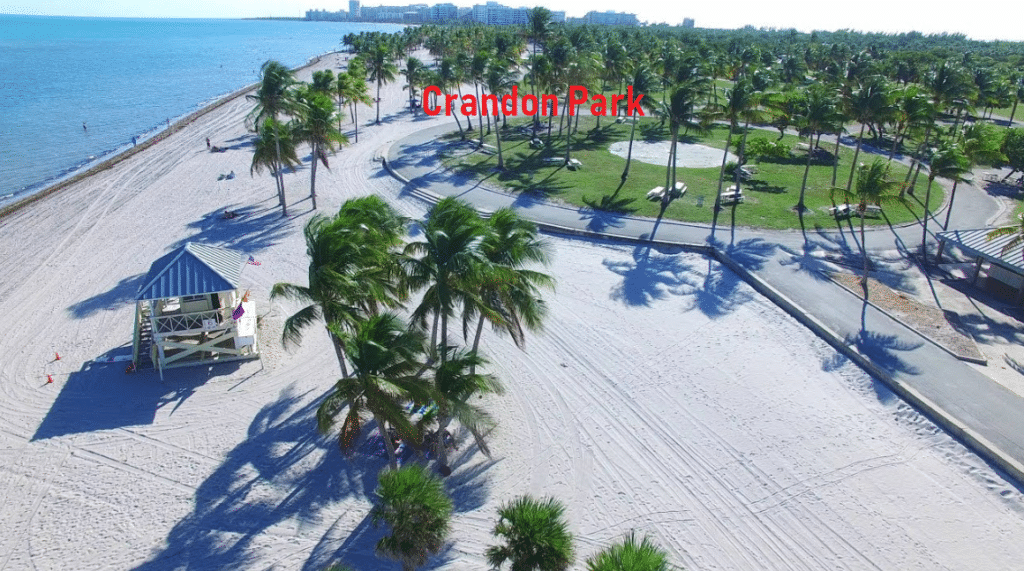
x: 237, y: 503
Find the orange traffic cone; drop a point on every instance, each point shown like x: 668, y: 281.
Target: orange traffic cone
x: 49, y: 379
x: 56, y: 356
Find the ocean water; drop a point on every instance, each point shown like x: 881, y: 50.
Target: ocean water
x: 124, y: 78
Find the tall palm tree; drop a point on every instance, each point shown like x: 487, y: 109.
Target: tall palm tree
x: 536, y: 536
x: 948, y: 162
x: 380, y: 69
x: 274, y: 148
x: 418, y: 512
x: 539, y: 30
x: 868, y: 104
x: 499, y: 81
x: 323, y: 82
x: 316, y: 128
x: 414, y: 68
x: 738, y: 101
x: 873, y: 187
x: 509, y: 293
x: 684, y: 91
x: 451, y: 78
x: 981, y: 146
x: 273, y: 99
x: 387, y: 358
x: 455, y: 382
x: 816, y: 113
x: 352, y: 272
x: 353, y: 90
x: 643, y: 82
x: 447, y: 263
x: 628, y: 555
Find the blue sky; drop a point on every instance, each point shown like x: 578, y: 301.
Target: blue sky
x: 999, y: 20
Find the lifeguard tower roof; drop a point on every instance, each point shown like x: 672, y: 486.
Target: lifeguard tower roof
x: 193, y: 269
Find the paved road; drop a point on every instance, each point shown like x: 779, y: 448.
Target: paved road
x: 982, y: 413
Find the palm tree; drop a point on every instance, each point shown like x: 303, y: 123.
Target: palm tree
x: 816, y: 113
x: 536, y: 536
x: 387, y: 358
x: 451, y: 78
x: 538, y: 29
x: 455, y: 382
x: 353, y: 90
x: 448, y: 263
x: 323, y: 82
x: 510, y: 293
x: 981, y: 145
x: 274, y: 98
x: 352, y: 270
x: 948, y: 162
x: 316, y: 127
x: 643, y: 82
x: 1016, y: 231
x: 414, y: 505
x: 873, y: 187
x: 628, y: 555
x: 687, y: 85
x: 274, y: 148
x: 380, y: 69
x: 868, y: 104
x: 499, y: 81
x: 414, y: 68
x: 738, y: 101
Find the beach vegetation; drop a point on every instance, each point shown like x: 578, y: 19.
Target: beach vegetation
x: 315, y: 126
x: 417, y: 511
x: 534, y: 536
x: 274, y: 148
x: 380, y: 68
x: 630, y: 555
x: 274, y: 98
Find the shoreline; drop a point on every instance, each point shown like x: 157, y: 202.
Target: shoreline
x: 87, y: 171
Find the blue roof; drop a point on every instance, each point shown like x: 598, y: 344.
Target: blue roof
x: 193, y: 269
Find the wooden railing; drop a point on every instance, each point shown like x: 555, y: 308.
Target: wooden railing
x: 211, y: 320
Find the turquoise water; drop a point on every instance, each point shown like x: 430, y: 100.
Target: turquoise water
x: 124, y: 78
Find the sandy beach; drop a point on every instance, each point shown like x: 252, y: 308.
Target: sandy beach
x: 665, y: 396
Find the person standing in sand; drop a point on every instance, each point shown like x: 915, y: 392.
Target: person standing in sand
x: 84, y: 128
x: 207, y: 143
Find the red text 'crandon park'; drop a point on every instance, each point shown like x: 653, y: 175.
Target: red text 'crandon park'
x: 511, y: 104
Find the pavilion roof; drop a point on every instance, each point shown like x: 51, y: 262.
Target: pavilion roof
x: 976, y: 243
x: 193, y: 269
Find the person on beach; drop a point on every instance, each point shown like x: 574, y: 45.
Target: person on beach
x: 134, y: 141
x: 207, y: 143
x: 84, y: 128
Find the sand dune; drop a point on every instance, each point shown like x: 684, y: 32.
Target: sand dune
x: 665, y: 396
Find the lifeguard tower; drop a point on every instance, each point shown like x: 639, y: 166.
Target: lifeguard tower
x: 187, y: 310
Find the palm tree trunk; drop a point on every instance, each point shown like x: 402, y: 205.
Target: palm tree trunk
x: 949, y: 209
x: 924, y: 225
x: 480, y: 118
x: 863, y: 250
x: 439, y: 448
x: 378, y: 101
x: 497, y: 137
x: 339, y: 350
x: 280, y: 173
x: 721, y: 177
x: 312, y: 175
x: 835, y: 157
x: 476, y: 341
x: 568, y: 132
x: 803, y: 185
x: 388, y: 445
x: 629, y: 154
x: 915, y: 166
x: 853, y: 164
x: 1013, y: 113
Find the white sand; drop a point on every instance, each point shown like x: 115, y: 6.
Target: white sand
x: 660, y: 398
x: 688, y: 155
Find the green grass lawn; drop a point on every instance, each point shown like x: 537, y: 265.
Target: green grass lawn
x: 769, y: 197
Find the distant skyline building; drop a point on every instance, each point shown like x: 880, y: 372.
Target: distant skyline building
x: 688, y: 22
x: 610, y: 18
x: 353, y: 9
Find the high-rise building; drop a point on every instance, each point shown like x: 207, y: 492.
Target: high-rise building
x: 687, y: 22
x: 354, y: 13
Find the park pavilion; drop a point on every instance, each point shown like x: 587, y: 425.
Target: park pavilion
x: 187, y: 311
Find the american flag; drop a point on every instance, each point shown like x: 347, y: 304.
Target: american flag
x: 253, y: 261
x: 238, y: 312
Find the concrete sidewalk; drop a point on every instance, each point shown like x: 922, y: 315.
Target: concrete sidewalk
x: 786, y: 267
